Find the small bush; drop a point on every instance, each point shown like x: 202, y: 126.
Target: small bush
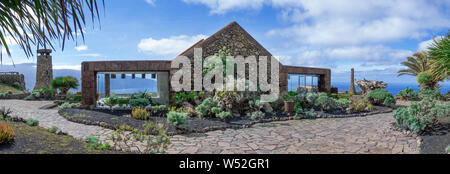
x: 299, y: 110
x: 370, y: 107
x: 343, y: 103
x: 139, y: 102
x: 53, y: 129
x: 420, y: 115
x: 94, y: 143
x: 32, y: 122
x: 205, y: 109
x: 380, y: 97
x: 47, y: 93
x: 34, y: 95
x: 69, y: 105
x: 224, y: 115
x: 176, y: 118
x: 311, y: 114
x: 360, y: 106
x: 6, y: 133
x: 17, y: 85
x: 111, y: 101
x: 424, y: 78
x: 140, y: 114
x: 3, y: 94
x: 408, y: 94
x: 324, y: 102
x: 64, y: 84
x: 159, y: 108
x: 123, y: 102
x: 257, y: 115
x: 427, y: 92
x: 447, y: 149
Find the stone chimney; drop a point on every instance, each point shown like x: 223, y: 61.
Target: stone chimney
x: 44, y: 69
x: 352, y: 82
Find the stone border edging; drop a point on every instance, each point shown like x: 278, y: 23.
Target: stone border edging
x: 233, y: 126
x: 15, y: 96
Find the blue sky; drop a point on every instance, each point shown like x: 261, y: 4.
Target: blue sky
x: 371, y: 36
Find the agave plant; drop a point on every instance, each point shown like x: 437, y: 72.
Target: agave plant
x: 32, y: 22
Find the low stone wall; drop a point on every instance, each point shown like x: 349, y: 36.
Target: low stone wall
x: 11, y: 78
x: 15, y: 96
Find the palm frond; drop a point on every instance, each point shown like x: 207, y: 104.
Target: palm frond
x: 40, y: 22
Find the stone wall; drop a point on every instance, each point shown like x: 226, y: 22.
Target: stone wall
x: 11, y: 78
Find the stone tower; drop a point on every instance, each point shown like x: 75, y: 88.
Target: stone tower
x: 44, y: 70
x: 352, y: 82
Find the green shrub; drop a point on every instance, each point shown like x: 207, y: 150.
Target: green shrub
x: 139, y: 102
x: 32, y: 122
x: 312, y: 97
x: 176, y: 118
x: 380, y: 97
x: 427, y: 92
x: 370, y: 107
x: 159, y: 108
x: 6, y: 133
x: 324, y: 102
x: 123, y: 102
x: 53, y: 129
x: 420, y: 115
x: 181, y: 97
x: 33, y: 95
x: 425, y: 78
x: 64, y: 84
x: 47, y: 93
x: 224, y: 115
x: 3, y: 94
x: 69, y: 105
x: 343, y: 103
x: 111, y: 101
x: 94, y: 143
x: 17, y: 85
x: 311, y: 114
x: 257, y: 115
x: 299, y: 110
x: 408, y: 94
x: 140, y: 114
x: 205, y: 109
x: 447, y: 149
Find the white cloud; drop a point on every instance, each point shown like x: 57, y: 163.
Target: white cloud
x: 423, y: 46
x: 152, y: 2
x: 168, y: 46
x: 81, y: 48
x: 72, y: 67
x: 353, y: 22
x: 223, y: 6
x: 90, y: 55
x: 369, y: 56
x: 347, y: 22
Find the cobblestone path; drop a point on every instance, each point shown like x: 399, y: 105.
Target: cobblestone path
x: 371, y: 134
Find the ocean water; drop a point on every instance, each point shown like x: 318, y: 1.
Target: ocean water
x: 393, y: 88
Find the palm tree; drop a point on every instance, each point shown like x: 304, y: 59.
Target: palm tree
x: 39, y: 22
x: 421, y: 62
x: 440, y: 54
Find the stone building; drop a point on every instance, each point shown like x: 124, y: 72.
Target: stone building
x: 44, y: 69
x: 233, y: 37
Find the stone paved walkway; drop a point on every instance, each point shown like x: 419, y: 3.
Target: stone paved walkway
x: 371, y: 134
x: 50, y: 117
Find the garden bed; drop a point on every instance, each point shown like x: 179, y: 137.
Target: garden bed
x: 37, y: 140
x: 437, y: 138
x: 114, y: 119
